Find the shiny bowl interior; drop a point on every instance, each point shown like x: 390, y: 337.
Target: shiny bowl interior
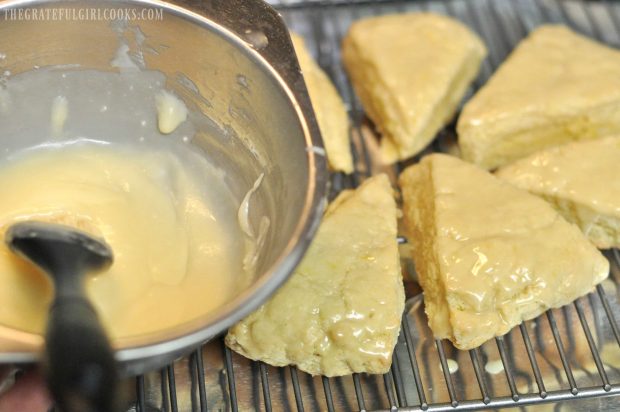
x: 231, y: 61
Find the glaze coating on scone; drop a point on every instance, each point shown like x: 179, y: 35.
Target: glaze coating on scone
x: 580, y: 180
x: 489, y: 255
x: 340, y: 311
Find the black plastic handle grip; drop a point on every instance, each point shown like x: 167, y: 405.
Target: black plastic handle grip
x: 80, y: 367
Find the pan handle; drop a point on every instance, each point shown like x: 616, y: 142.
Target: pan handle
x: 265, y: 31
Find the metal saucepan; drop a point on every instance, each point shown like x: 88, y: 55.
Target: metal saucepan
x: 221, y: 47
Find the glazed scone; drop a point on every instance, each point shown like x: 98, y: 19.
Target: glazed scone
x: 340, y: 311
x: 555, y: 87
x: 410, y: 71
x: 580, y: 180
x: 331, y: 114
x: 489, y: 255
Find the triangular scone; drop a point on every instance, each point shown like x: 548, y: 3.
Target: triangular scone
x: 340, y: 311
x: 581, y: 180
x: 555, y: 87
x: 489, y: 255
x: 410, y: 72
x: 331, y: 114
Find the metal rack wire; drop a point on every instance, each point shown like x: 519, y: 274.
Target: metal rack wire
x: 572, y: 353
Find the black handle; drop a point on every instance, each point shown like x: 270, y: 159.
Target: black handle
x: 81, y: 370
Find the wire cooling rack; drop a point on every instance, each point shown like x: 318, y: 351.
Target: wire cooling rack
x: 572, y: 353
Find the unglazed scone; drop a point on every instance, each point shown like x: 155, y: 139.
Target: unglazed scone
x: 489, y: 255
x: 580, y: 180
x: 410, y: 72
x: 331, y: 114
x: 340, y: 311
x: 555, y: 87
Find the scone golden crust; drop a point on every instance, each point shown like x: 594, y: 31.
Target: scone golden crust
x: 340, y: 311
x: 410, y: 72
x: 329, y: 109
x: 580, y: 180
x: 555, y: 87
x: 489, y: 255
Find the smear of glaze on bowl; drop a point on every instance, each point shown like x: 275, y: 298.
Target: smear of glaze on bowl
x: 254, y: 242
x: 171, y: 111
x: 256, y: 38
x: 123, y: 59
x: 60, y: 112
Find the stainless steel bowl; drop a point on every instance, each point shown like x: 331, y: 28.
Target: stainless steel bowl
x: 240, y: 64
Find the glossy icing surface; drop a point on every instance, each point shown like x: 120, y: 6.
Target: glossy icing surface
x: 489, y: 255
x: 83, y: 147
x: 177, y: 252
x: 340, y: 311
x: 581, y: 180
